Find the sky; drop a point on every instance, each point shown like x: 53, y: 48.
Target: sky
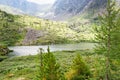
x: 43, y: 1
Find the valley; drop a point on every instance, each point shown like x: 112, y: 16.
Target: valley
x: 59, y: 40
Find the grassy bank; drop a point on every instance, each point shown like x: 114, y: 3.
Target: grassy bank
x: 26, y: 67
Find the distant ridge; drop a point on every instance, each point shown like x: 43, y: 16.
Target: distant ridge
x: 26, y: 6
x: 11, y: 10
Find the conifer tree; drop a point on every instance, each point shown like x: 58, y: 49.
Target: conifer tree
x: 49, y: 69
x: 106, y: 34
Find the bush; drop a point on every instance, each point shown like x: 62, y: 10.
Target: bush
x: 79, y: 70
x: 4, y: 50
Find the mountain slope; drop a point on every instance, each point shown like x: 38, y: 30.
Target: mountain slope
x: 29, y: 30
x: 11, y: 10
x: 64, y: 9
x: 26, y: 6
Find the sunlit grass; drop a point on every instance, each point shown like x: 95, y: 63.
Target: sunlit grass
x: 25, y: 67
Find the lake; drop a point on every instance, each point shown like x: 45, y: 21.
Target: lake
x: 33, y: 50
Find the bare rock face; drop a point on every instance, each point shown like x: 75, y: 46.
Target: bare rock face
x: 63, y: 9
x: 32, y: 36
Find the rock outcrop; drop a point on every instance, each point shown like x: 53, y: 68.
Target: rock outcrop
x: 32, y: 36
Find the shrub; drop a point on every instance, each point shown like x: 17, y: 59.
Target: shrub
x: 79, y: 70
x: 4, y: 50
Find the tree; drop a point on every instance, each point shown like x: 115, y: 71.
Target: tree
x: 79, y: 70
x: 107, y: 35
x: 49, y: 68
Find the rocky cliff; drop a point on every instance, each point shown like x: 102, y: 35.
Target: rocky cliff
x: 63, y: 9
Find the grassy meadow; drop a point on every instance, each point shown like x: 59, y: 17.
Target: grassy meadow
x: 26, y: 67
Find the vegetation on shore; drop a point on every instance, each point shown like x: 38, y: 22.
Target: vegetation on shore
x: 26, y: 67
x: 4, y: 51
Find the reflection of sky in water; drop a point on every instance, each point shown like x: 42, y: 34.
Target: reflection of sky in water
x: 32, y: 50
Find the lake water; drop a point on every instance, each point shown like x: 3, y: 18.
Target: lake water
x: 33, y: 50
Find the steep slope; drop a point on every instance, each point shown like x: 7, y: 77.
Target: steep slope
x: 64, y: 9
x: 26, y: 6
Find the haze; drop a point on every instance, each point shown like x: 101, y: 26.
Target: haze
x: 43, y: 1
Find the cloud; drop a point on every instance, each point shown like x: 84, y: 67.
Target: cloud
x: 42, y: 1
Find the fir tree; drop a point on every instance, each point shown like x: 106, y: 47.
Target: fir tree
x: 107, y: 34
x: 49, y: 68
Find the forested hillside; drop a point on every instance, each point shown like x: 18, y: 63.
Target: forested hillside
x: 30, y: 30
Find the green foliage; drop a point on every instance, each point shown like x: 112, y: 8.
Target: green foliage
x: 9, y: 29
x: 107, y: 34
x: 49, y: 69
x: 4, y: 51
x: 27, y: 66
x: 109, y: 25
x: 80, y: 70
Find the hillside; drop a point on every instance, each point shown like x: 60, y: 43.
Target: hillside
x: 27, y: 7
x: 78, y: 13
x: 33, y: 30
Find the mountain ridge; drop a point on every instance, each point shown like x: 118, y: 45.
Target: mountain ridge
x: 61, y: 10
x: 11, y: 10
x: 26, y: 6
x: 64, y: 9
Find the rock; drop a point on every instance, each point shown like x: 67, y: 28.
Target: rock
x: 32, y: 35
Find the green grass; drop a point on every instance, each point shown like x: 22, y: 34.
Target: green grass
x: 26, y: 67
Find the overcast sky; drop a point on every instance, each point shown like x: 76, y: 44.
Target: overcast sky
x: 43, y: 1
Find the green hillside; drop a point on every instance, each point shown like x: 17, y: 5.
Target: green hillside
x: 28, y: 30
x: 9, y: 29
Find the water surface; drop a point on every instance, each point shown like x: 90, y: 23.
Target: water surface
x: 33, y: 50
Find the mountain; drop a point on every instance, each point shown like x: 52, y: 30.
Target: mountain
x: 11, y: 10
x: 60, y: 10
x: 64, y: 9
x: 26, y: 6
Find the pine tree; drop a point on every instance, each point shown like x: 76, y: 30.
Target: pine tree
x: 49, y: 68
x: 107, y: 34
